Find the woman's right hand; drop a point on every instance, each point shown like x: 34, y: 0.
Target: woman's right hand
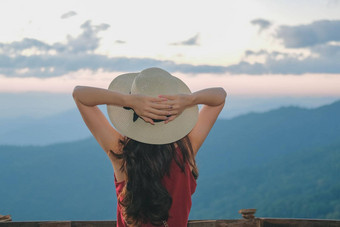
x: 149, y: 108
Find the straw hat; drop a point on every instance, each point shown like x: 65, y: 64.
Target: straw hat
x: 151, y: 82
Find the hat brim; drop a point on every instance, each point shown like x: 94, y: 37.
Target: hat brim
x: 160, y: 133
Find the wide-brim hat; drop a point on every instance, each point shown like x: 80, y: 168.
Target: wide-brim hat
x: 152, y: 82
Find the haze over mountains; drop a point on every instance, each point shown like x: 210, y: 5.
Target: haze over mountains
x: 284, y: 162
x: 32, y: 122
x: 64, y: 127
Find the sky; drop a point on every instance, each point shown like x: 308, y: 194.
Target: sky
x: 285, y: 51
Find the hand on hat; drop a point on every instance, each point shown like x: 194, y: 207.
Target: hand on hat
x: 176, y: 104
x: 149, y: 108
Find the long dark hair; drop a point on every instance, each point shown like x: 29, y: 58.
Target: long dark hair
x: 144, y: 199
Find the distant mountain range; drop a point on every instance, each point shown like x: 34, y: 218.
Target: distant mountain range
x: 64, y: 127
x: 68, y: 126
x: 285, y: 163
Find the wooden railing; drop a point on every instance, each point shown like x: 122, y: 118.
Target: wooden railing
x: 257, y: 222
x: 249, y: 220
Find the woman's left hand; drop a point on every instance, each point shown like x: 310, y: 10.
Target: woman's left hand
x: 149, y: 108
x: 177, y: 104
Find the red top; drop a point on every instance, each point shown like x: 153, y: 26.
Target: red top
x: 180, y: 185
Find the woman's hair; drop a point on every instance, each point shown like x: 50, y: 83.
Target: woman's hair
x: 144, y: 198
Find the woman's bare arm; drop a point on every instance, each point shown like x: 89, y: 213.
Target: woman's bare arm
x: 87, y: 99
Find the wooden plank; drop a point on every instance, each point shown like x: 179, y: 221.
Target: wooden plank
x: 257, y: 222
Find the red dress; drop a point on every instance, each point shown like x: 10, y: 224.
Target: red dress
x: 180, y: 185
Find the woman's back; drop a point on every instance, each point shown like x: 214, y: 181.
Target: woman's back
x: 158, y: 177
x: 180, y: 186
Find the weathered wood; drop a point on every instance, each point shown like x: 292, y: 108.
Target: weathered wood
x: 4, y: 218
x: 247, y: 213
x: 236, y: 223
x: 60, y: 224
x: 257, y: 222
x: 203, y: 223
x: 267, y: 222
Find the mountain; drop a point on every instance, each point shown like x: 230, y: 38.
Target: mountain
x: 254, y: 139
x: 68, y: 126
x: 284, y: 162
x: 302, y: 184
x: 64, y: 127
x: 57, y: 182
x: 267, y: 160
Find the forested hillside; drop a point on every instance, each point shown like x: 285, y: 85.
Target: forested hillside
x: 284, y: 162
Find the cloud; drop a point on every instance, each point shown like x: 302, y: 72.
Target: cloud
x: 17, y: 47
x: 120, y: 42
x: 68, y: 15
x: 58, y: 65
x: 193, y: 41
x: 87, y: 41
x: 332, y: 2
x: 262, y: 23
x: 320, y: 38
x: 324, y: 59
x: 318, y: 32
x: 34, y: 58
x: 78, y: 53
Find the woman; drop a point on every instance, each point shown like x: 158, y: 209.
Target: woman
x: 158, y: 131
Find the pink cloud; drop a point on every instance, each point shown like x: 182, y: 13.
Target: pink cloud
x: 256, y: 85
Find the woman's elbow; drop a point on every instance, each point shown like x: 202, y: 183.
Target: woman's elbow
x: 223, y: 94
x: 75, y: 92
